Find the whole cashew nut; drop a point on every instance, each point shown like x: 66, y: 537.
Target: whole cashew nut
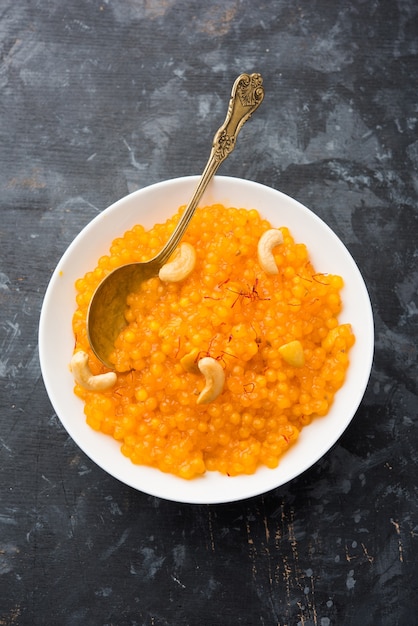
x: 181, y: 265
x: 215, y: 379
x: 83, y: 376
x: 267, y: 242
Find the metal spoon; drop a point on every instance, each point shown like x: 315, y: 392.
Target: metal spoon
x: 106, y: 314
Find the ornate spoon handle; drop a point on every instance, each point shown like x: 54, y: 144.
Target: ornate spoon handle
x: 246, y: 96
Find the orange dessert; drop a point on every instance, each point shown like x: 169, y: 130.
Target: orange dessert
x: 266, y: 329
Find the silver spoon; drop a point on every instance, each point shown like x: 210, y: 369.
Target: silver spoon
x: 106, y: 313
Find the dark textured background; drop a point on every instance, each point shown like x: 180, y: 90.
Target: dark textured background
x: 101, y: 97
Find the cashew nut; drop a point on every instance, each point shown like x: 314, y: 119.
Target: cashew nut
x: 181, y: 265
x: 189, y: 361
x: 267, y: 242
x: 83, y: 376
x: 292, y: 353
x: 215, y: 379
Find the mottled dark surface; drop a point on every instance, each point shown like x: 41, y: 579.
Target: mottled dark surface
x: 101, y: 97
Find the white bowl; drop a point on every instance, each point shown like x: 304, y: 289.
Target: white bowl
x: 155, y: 204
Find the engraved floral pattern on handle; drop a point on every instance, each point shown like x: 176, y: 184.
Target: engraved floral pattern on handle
x: 247, y: 95
x: 225, y: 145
x: 250, y: 89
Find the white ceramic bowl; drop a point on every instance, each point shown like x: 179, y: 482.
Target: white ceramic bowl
x: 155, y: 204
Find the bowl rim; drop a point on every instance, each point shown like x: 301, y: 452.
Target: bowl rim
x: 152, y: 481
